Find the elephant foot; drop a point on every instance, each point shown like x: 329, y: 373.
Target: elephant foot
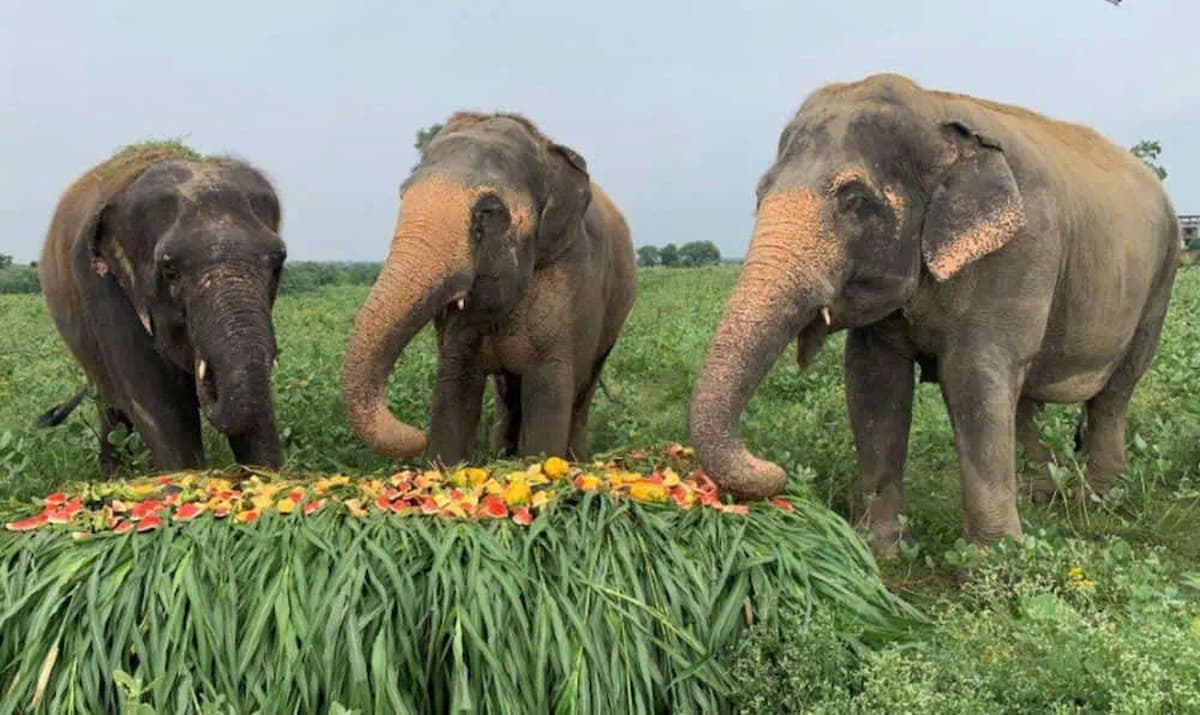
x: 1099, y: 484
x: 1041, y: 487
x: 884, y: 538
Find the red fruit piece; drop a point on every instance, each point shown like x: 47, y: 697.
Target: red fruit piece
x: 739, y: 509
x: 149, y: 523
x: 57, y: 516
x: 429, y: 506
x: 32, y: 522
x: 187, y: 512
x: 144, y: 509
x: 296, y: 495
x: 122, y: 527
x: 494, y: 507
x: 383, y: 503
x: 522, y: 516
x: 220, y: 511
x: 56, y: 499
x: 313, y: 506
x: 783, y: 504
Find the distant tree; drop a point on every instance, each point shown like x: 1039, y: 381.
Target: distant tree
x: 1148, y: 150
x: 5, y: 260
x: 669, y: 255
x: 648, y: 256
x: 426, y: 135
x: 699, y: 253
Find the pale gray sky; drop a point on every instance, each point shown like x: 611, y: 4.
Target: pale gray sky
x: 676, y: 106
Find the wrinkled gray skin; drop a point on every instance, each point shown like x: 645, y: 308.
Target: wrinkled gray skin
x: 153, y: 269
x: 527, y: 271
x: 1017, y: 259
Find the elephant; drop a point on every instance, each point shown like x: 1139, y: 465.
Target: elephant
x: 527, y: 270
x: 1017, y: 259
x: 160, y: 270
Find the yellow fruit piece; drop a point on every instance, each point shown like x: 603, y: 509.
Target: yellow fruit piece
x: 339, y: 481
x: 648, y: 491
x: 542, y: 498
x: 493, y: 487
x: 285, y: 506
x: 555, y: 468
x: 589, y: 482
x: 518, y: 492
x: 263, y: 502
x: 476, y: 476
x: 670, y: 478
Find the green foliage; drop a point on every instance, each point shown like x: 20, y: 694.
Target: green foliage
x: 303, y: 276
x: 797, y: 418
x: 599, y: 607
x: 5, y: 261
x: 699, y: 253
x: 647, y: 256
x: 18, y: 279
x: 669, y: 255
x: 1048, y: 625
x: 424, y: 136
x: 690, y: 255
x: 1148, y: 151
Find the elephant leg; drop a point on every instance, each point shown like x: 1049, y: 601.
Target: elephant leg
x: 981, y: 390
x: 1041, y: 486
x: 457, y: 399
x: 547, y: 395
x: 579, y: 443
x: 110, y: 417
x: 879, y: 395
x: 506, y: 430
x: 164, y: 409
x: 1103, y: 434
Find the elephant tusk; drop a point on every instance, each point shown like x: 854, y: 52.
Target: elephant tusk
x: 145, y: 318
x: 201, y: 369
x: 825, y: 315
x: 274, y: 364
x: 462, y: 303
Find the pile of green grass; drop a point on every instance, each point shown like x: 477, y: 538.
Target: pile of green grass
x: 601, y: 606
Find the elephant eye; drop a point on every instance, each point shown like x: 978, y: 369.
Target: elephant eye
x: 855, y: 198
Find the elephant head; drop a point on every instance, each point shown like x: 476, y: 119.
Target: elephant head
x: 491, y: 199
x: 870, y: 194
x: 195, y: 247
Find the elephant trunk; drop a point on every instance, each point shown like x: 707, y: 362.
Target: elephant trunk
x: 787, y: 281
x: 234, y: 343
x: 428, y: 266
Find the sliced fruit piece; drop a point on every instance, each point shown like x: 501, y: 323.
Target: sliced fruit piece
x: 522, y: 516
x: 189, y: 511
x: 493, y: 507
x: 149, y: 523
x: 32, y: 522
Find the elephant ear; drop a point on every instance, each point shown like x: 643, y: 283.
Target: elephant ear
x: 110, y: 261
x: 975, y: 210
x: 568, y: 195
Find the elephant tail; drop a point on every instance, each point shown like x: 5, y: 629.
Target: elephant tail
x: 57, y: 414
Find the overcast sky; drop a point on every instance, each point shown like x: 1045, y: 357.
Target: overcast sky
x: 676, y: 108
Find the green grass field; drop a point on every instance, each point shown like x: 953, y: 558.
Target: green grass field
x: 1024, y: 635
